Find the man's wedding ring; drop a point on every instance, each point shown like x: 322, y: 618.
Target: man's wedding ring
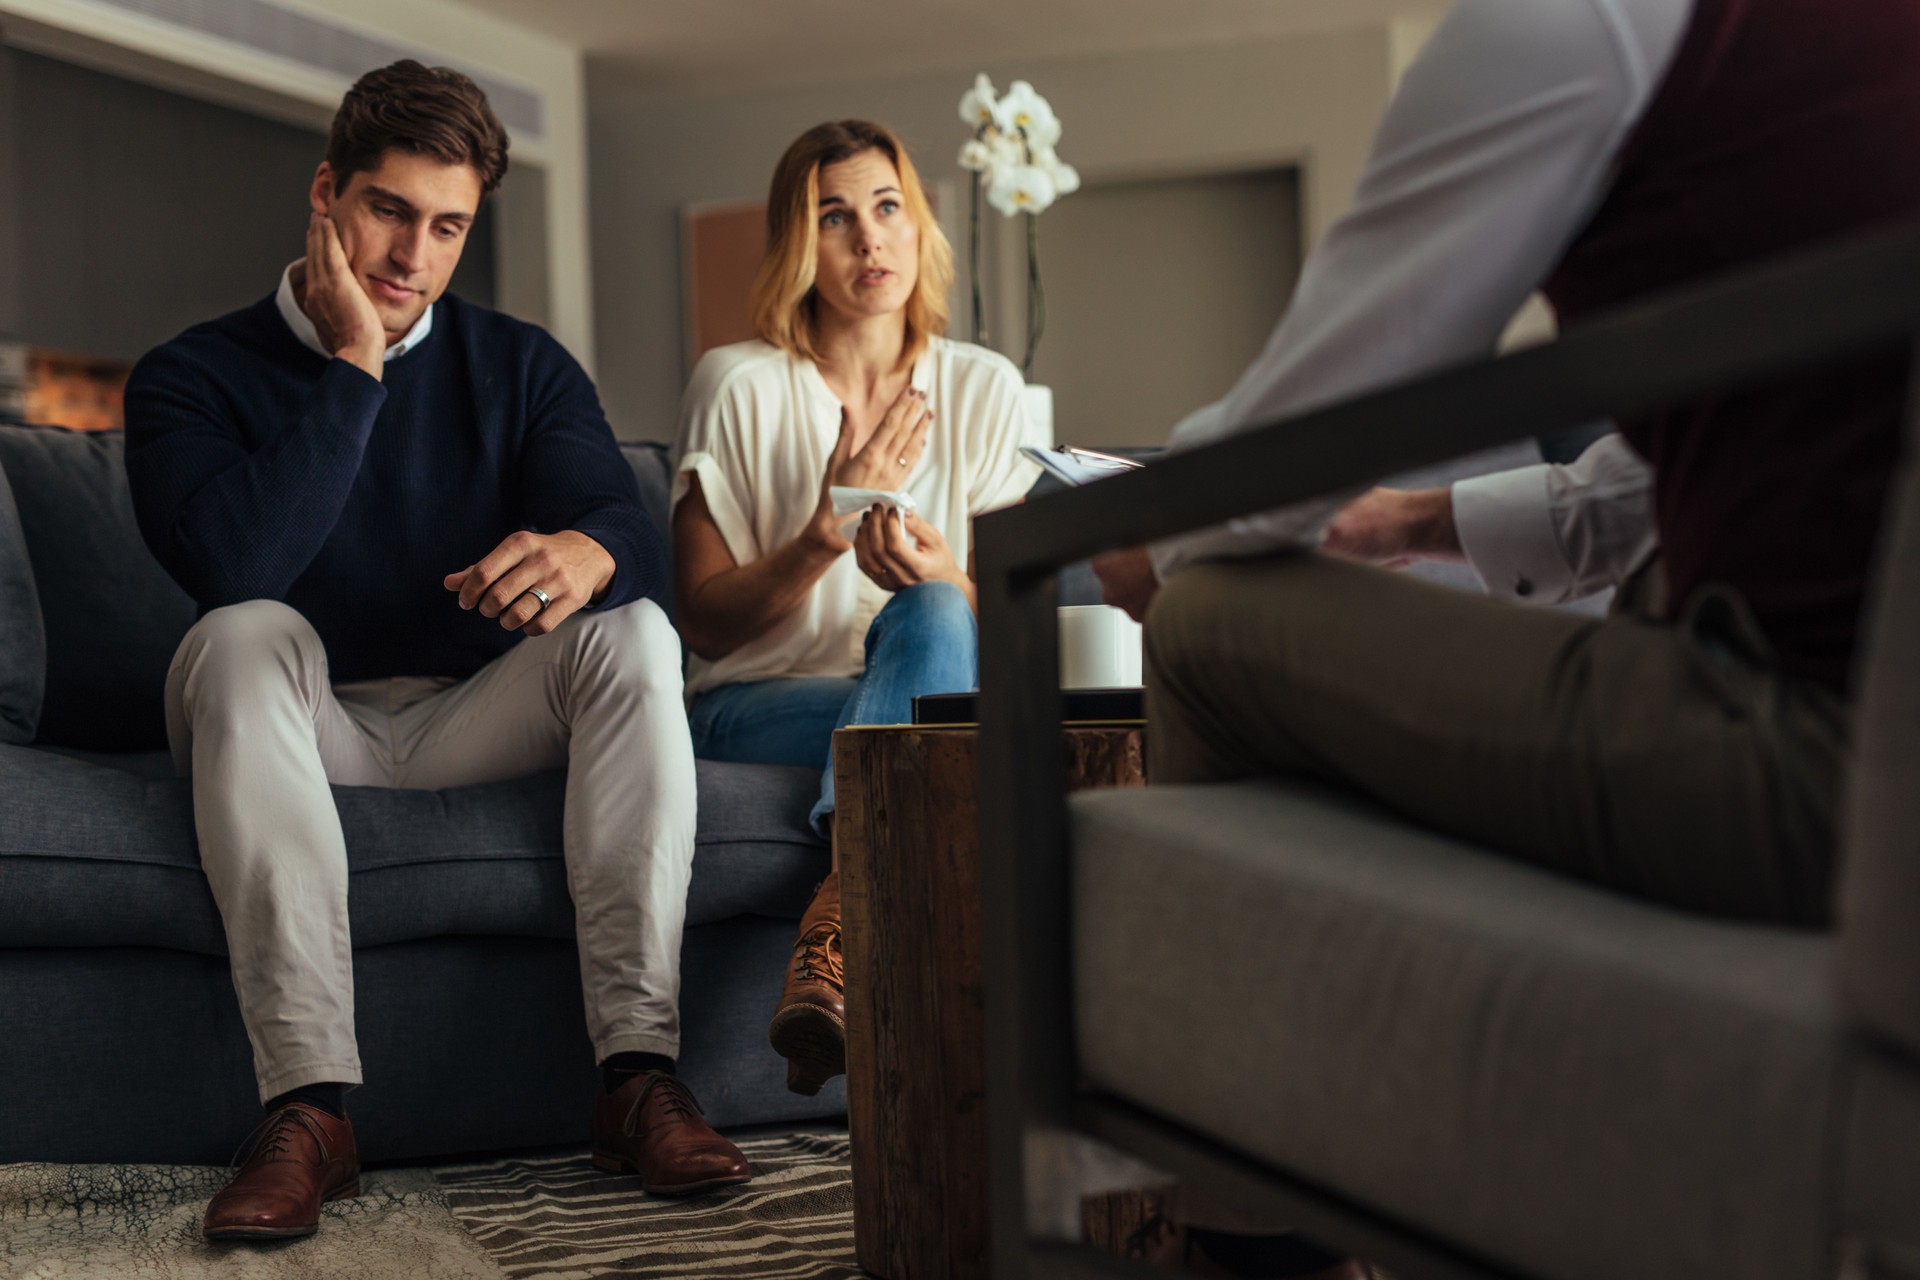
x: 541, y: 596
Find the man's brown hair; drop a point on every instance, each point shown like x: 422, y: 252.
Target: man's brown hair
x: 426, y: 111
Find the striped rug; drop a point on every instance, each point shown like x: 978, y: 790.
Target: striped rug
x: 559, y: 1218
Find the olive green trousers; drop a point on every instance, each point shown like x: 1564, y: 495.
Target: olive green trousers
x: 1667, y: 760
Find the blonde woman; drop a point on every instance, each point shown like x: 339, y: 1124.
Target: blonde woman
x: 801, y: 622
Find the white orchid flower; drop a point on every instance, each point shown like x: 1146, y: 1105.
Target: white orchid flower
x: 978, y: 105
x: 976, y: 155
x: 1012, y: 158
x: 1006, y: 148
x: 1066, y: 178
x: 1021, y: 188
x: 1023, y: 110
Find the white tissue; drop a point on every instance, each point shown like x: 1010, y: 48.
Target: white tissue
x: 848, y: 501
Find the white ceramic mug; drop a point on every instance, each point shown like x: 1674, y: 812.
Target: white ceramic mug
x: 1099, y: 648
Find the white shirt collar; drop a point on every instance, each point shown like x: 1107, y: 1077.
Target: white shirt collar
x: 302, y: 326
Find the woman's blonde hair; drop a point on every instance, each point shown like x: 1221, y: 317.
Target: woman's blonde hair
x: 784, y: 302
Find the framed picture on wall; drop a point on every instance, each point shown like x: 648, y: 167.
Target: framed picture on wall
x: 720, y: 250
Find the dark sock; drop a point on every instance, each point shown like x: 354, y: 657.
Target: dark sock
x: 330, y: 1098
x: 622, y: 1067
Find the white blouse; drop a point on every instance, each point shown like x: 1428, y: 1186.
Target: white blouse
x: 757, y: 426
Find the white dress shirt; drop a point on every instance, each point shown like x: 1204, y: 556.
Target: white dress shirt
x: 302, y: 324
x: 757, y: 425
x: 1494, y: 154
x: 1550, y: 534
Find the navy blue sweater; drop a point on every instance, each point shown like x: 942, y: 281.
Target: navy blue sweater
x: 261, y: 470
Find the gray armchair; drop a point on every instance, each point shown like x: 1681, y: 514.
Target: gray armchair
x: 1408, y: 1048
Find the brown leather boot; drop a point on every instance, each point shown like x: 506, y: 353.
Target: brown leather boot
x: 809, y: 1029
x: 296, y: 1160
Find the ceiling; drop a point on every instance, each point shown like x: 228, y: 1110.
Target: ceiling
x: 730, y: 43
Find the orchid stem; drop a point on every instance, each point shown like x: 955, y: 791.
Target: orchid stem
x: 1036, y: 296
x: 973, y: 263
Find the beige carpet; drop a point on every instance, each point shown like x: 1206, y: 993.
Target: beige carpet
x: 142, y: 1222
x: 525, y: 1218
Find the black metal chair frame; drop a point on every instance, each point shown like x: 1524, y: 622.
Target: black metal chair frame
x: 1841, y: 301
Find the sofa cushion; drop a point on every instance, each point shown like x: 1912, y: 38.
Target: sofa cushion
x: 649, y: 461
x: 113, y: 617
x: 1579, y: 1084
x: 97, y: 855
x: 23, y: 640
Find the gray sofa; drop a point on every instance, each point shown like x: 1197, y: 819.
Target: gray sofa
x: 120, y: 1038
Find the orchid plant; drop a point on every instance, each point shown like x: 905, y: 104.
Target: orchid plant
x: 1014, y: 165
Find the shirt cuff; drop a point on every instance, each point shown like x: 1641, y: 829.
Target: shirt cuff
x: 1505, y: 523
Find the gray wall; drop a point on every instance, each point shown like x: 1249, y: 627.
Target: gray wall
x: 140, y: 212
x: 1158, y: 295
x: 1311, y: 101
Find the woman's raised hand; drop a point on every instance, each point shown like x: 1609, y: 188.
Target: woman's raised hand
x: 883, y: 462
x: 887, y: 458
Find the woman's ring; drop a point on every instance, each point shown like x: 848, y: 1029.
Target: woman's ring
x: 903, y: 460
x: 541, y: 596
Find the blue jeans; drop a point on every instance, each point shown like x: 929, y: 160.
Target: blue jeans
x: 924, y: 641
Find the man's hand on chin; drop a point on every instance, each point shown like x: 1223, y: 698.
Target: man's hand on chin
x: 569, y: 568
x: 1127, y: 580
x: 340, y: 309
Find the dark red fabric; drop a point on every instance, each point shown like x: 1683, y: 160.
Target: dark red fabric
x: 1781, y: 124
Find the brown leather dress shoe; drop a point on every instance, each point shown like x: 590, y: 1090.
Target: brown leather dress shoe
x: 809, y: 1028
x: 652, y: 1126
x: 299, y: 1158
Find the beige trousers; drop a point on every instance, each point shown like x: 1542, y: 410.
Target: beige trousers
x: 1667, y: 760
x: 254, y: 721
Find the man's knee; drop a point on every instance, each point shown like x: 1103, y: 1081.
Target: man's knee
x: 238, y: 640
x: 634, y: 644
x: 1190, y: 613
x: 1211, y: 613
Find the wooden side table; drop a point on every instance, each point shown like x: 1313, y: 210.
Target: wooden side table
x: 916, y: 1066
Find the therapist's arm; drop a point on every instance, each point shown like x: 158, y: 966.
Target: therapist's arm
x: 1544, y: 534
x: 1549, y: 534
x: 1395, y: 527
x: 1490, y: 159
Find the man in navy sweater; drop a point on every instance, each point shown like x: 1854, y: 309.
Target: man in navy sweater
x: 421, y: 562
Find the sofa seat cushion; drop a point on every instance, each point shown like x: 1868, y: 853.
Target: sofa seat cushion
x: 94, y: 853
x: 1580, y: 1084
